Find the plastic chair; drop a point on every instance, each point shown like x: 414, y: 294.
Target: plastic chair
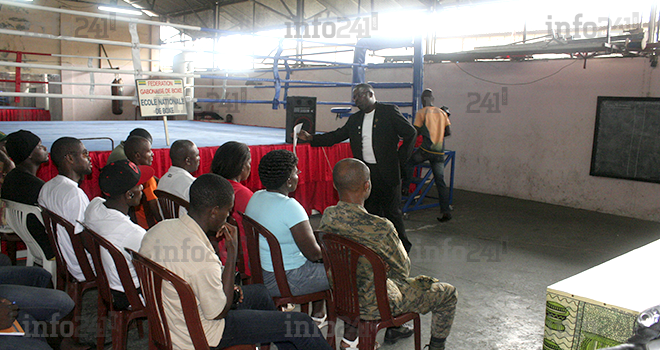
x: 169, y: 204
x: 17, y: 214
x: 151, y: 276
x: 65, y: 280
x: 252, y: 231
x: 121, y: 318
x: 341, y: 257
x: 240, y: 259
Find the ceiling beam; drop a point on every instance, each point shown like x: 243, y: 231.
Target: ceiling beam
x: 274, y: 10
x: 196, y: 13
x: 244, y: 21
x: 316, y: 14
x: 201, y: 9
x: 330, y: 6
x: 287, y: 8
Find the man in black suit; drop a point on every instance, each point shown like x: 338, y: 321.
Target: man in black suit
x: 374, y: 133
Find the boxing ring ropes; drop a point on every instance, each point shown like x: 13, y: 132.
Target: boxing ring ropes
x: 358, y: 66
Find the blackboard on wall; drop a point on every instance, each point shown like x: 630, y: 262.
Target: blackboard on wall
x: 627, y: 138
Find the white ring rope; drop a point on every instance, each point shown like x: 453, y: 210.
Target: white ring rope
x: 84, y: 97
x: 94, y: 41
x: 124, y: 44
x: 85, y: 84
x: 97, y: 70
x: 97, y: 57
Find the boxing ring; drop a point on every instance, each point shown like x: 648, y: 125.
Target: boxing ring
x: 315, y: 188
x: 23, y: 114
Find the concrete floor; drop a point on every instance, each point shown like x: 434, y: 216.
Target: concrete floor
x: 501, y: 254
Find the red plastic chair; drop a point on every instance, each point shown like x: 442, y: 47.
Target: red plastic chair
x: 151, y: 276
x: 65, y: 280
x: 240, y: 258
x: 252, y: 231
x: 341, y: 257
x: 121, y: 319
x: 169, y: 204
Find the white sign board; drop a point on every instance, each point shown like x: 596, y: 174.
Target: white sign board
x: 161, y: 97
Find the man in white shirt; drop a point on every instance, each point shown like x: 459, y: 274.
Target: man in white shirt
x: 121, y: 184
x: 185, y: 161
x: 62, y: 195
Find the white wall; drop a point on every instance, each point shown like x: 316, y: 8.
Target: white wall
x: 539, y: 146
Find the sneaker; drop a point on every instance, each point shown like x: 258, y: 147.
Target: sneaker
x: 353, y: 344
x: 289, y: 308
x: 320, y: 321
x: 395, y: 333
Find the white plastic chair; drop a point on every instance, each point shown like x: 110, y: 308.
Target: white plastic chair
x: 16, y: 215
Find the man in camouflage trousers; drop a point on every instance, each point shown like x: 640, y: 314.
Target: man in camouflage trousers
x: 350, y: 219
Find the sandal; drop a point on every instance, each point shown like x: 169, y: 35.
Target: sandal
x: 353, y: 344
x: 289, y: 308
x: 321, y: 321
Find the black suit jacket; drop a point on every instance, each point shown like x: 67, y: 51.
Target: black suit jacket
x: 389, y: 125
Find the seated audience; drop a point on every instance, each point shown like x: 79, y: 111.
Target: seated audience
x: 119, y: 154
x: 177, y: 244
x: 25, y: 296
x: 22, y: 184
x: 138, y: 151
x: 121, y: 184
x: 287, y: 220
x: 420, y: 294
x: 185, y: 161
x: 62, y: 196
x: 234, y: 162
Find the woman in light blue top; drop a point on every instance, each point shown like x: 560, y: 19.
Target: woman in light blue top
x: 287, y: 220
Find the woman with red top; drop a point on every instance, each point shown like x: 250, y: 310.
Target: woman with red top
x: 234, y: 162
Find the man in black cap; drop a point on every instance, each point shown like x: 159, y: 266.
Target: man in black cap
x: 121, y: 184
x: 22, y: 184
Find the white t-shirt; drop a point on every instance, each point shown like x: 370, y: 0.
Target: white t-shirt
x: 176, y: 181
x: 117, y: 228
x: 367, y: 138
x: 63, y: 197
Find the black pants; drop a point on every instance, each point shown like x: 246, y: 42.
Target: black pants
x: 385, y: 201
x: 256, y: 321
x: 437, y: 162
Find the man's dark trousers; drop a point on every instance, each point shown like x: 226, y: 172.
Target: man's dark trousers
x: 385, y: 201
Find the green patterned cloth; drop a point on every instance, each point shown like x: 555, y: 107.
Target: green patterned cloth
x: 420, y: 294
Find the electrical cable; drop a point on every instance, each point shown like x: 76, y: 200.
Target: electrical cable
x: 515, y: 84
